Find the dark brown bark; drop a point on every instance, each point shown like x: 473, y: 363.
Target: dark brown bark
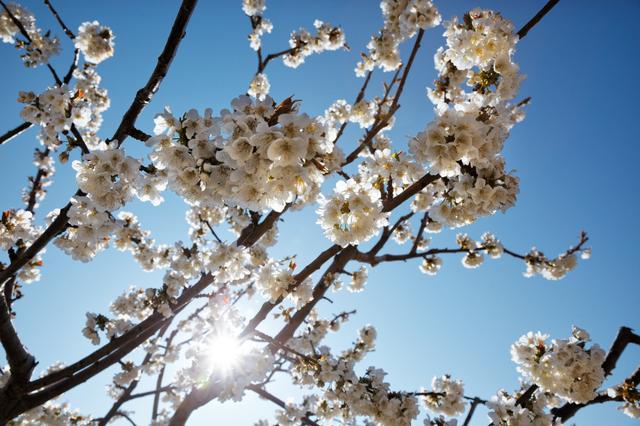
x: 12, y: 133
x: 144, y: 95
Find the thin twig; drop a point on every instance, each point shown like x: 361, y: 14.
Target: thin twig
x: 538, y: 16
x: 472, y: 409
x: 66, y: 29
x: 359, y: 97
x: 26, y: 35
x: 12, y: 133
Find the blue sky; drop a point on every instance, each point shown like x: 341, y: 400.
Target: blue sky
x: 576, y: 154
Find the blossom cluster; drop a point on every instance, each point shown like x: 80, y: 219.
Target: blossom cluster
x: 446, y: 396
x: 564, y: 367
x: 259, y: 86
x: 275, y: 282
x: 347, y: 395
x: 89, y: 232
x: 464, y: 142
x: 479, y: 56
x: 95, y: 41
x: 259, y: 24
x: 358, y: 280
x: 250, y: 367
x: 38, y: 48
x: 402, y: 19
x: 364, y: 113
x: 503, y: 410
x: 18, y: 231
x: 552, y: 269
x: 253, y: 7
x: 630, y: 395
x: 353, y: 214
x: 16, y: 225
x: 259, y: 156
x: 59, y: 108
x: 303, y: 43
x: 108, y: 177
x: 255, y: 37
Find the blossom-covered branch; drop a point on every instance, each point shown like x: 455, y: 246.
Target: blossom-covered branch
x: 243, y: 171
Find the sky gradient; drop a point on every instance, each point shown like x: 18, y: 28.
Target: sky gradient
x: 576, y: 155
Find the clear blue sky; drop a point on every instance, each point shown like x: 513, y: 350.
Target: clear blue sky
x: 576, y: 154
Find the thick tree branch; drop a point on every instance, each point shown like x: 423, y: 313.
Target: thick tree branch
x: 54, y: 229
x: 624, y: 337
x: 567, y: 411
x: 409, y: 192
x: 21, y: 362
x: 267, y: 307
x: 138, y: 134
x: 324, y: 283
x: 67, y: 378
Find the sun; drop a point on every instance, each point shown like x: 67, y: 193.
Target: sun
x: 225, y: 350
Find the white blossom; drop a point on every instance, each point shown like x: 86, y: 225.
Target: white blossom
x: 564, y: 367
x: 95, y: 41
x: 259, y: 86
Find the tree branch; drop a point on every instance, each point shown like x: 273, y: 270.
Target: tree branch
x: 26, y: 35
x: 66, y: 29
x: 270, y: 397
x: 324, y: 283
x: 472, y: 409
x: 538, y: 16
x: 625, y: 337
x: 382, y: 122
x: 21, y: 362
x: 267, y: 307
x: 12, y: 133
x: 358, y: 99
x: 126, y: 125
x: 126, y: 394
x: 144, y: 95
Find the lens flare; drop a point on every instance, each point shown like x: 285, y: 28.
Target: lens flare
x: 225, y: 352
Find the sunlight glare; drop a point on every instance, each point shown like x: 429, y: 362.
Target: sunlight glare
x: 225, y: 352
